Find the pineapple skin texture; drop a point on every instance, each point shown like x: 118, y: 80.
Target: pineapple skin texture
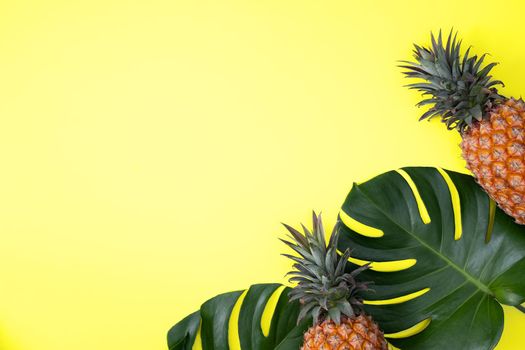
x: 494, y: 150
x: 357, y: 333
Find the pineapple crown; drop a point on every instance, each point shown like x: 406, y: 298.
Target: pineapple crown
x: 459, y: 89
x: 324, y: 289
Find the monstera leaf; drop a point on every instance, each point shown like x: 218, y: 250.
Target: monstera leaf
x: 443, y: 258
x: 260, y: 318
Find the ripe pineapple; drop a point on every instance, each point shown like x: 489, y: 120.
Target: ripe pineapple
x: 492, y: 127
x: 329, y: 294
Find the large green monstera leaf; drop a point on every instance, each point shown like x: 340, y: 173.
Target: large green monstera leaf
x: 260, y: 318
x: 443, y: 258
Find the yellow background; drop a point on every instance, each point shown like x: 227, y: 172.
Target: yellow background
x: 150, y: 149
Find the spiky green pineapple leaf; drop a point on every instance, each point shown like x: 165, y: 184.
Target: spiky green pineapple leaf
x: 460, y: 87
x: 326, y: 290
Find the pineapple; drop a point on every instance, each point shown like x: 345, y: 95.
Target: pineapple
x: 460, y: 90
x: 328, y: 294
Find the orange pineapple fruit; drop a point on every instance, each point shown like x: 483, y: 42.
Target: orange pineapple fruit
x: 360, y: 332
x: 460, y: 90
x: 329, y: 293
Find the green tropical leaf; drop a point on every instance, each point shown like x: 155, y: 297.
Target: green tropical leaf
x: 443, y: 257
x: 260, y: 318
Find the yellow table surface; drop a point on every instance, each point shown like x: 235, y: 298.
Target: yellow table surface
x: 150, y: 149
